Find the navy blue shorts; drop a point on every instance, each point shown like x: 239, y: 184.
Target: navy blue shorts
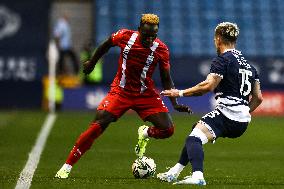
x: 223, y: 126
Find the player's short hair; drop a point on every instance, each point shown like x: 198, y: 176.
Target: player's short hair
x: 149, y: 19
x: 228, y: 31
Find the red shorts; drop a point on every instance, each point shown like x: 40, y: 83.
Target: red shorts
x: 119, y: 101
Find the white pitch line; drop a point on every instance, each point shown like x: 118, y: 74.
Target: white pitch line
x: 26, y: 176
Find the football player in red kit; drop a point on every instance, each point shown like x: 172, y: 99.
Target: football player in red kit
x: 132, y: 88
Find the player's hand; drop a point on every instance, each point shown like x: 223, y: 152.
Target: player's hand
x: 183, y: 108
x: 87, y: 67
x: 171, y: 93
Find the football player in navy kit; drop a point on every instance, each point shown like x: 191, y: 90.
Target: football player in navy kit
x: 236, y: 85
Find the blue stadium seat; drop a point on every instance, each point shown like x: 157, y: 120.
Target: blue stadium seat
x: 188, y: 26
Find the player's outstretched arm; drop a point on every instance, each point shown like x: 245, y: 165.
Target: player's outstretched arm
x: 102, y: 49
x: 202, y: 88
x: 256, y: 97
x: 168, y: 83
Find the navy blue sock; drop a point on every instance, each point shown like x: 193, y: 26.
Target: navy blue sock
x: 183, y: 159
x: 195, y: 153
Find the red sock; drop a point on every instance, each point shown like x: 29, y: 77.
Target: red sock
x: 84, y: 142
x: 156, y: 132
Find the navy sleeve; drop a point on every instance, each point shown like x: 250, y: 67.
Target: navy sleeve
x: 218, y: 67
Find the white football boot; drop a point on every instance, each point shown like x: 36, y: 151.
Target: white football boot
x: 191, y: 180
x: 168, y: 176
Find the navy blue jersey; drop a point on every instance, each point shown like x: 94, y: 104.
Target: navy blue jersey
x: 238, y: 78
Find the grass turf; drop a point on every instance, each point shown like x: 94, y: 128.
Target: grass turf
x: 255, y: 160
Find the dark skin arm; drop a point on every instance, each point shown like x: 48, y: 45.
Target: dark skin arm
x: 167, y: 83
x: 102, y: 49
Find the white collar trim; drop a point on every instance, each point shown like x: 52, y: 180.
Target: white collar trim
x: 229, y: 50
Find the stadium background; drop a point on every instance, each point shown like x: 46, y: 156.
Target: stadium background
x: 187, y: 27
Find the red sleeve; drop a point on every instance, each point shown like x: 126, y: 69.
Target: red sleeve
x: 165, y: 59
x: 117, y: 36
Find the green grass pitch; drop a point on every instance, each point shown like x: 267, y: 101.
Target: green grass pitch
x: 256, y: 160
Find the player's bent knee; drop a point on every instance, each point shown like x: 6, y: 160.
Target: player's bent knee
x: 170, y: 131
x: 162, y: 133
x: 196, y: 132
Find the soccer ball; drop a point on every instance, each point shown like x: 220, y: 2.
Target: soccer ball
x: 143, y: 167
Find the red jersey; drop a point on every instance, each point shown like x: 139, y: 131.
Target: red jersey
x: 137, y: 63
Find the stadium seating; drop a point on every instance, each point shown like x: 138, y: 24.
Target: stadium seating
x: 188, y: 26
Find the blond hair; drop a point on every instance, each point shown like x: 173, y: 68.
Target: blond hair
x: 228, y: 31
x: 149, y: 19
